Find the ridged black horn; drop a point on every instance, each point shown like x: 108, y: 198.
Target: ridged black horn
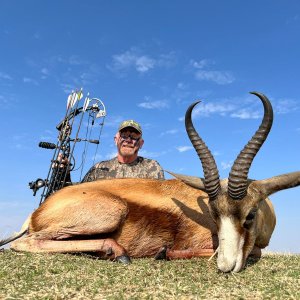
x: 237, y: 182
x: 211, y: 173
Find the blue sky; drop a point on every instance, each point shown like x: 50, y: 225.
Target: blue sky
x: 148, y: 60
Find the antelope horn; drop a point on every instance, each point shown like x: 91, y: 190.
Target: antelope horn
x: 192, y: 181
x: 237, y: 182
x: 211, y: 173
x: 277, y: 183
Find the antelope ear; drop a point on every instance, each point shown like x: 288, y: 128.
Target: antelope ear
x: 195, y: 182
x: 282, y: 182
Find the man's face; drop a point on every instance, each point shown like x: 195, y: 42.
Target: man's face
x: 128, y: 142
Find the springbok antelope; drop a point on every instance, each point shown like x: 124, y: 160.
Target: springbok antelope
x: 178, y: 218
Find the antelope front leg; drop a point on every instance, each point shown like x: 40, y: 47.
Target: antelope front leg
x: 105, y: 247
x: 169, y: 254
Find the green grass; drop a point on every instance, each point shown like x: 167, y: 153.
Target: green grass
x: 63, y: 276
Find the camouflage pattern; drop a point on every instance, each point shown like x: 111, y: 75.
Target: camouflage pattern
x: 130, y: 123
x: 140, y: 168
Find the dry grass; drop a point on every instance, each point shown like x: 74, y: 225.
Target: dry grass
x: 59, y: 276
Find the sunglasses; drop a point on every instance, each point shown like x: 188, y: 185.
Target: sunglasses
x: 132, y: 137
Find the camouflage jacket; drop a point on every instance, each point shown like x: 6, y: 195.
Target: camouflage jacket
x: 140, y: 168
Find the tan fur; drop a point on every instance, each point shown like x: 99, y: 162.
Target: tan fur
x: 140, y: 215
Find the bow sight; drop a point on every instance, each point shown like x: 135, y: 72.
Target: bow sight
x: 63, y: 161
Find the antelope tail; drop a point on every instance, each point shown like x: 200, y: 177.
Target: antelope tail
x: 17, y: 235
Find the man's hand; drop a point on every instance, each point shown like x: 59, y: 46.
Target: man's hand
x: 61, y: 161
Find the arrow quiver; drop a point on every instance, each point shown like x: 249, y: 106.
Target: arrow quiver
x: 63, y: 161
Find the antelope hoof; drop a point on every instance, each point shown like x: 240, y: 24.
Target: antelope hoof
x: 161, y: 254
x: 124, y: 259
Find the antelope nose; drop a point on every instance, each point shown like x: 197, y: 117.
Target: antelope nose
x: 225, y: 265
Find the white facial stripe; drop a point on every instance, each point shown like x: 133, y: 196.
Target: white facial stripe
x: 228, y: 233
x: 230, y: 254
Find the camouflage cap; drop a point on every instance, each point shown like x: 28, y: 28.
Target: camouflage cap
x: 131, y: 123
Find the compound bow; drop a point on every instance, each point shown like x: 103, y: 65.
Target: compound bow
x: 63, y: 161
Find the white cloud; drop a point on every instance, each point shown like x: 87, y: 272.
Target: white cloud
x: 123, y: 60
x: 130, y: 59
x: 200, y: 64
x: 203, y: 72
x: 284, y: 106
x: 76, y: 60
x: 7, y: 100
x: 219, y: 77
x: 229, y: 108
x: 73, y: 71
x: 144, y: 64
x: 45, y: 71
x: 169, y: 132
x: 154, y: 104
x: 216, y: 153
x: 181, y: 85
x: 30, y: 80
x: 133, y: 59
x: 226, y: 165
x: 247, y: 114
x: 5, y: 76
x: 184, y: 148
x: 207, y: 109
x: 67, y: 87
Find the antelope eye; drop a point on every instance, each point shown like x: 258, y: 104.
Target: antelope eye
x: 251, y: 216
x: 249, y: 219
